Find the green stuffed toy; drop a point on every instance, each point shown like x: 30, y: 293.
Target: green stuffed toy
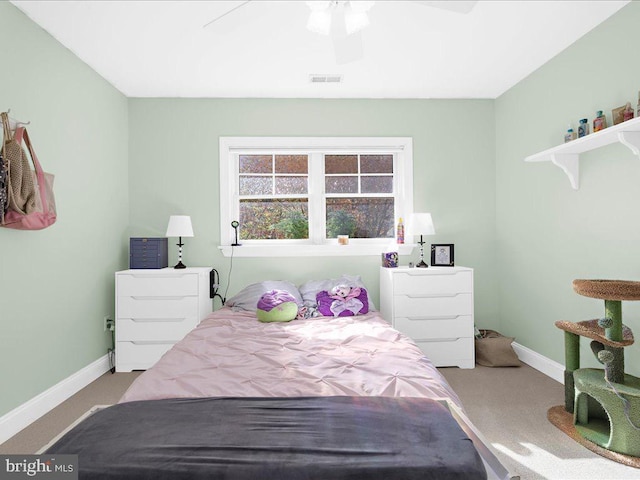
x: 277, y: 306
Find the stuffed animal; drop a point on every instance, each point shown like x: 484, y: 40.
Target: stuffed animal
x: 342, y: 292
x: 277, y: 306
x: 343, y: 301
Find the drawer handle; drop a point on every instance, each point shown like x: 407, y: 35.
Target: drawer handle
x: 438, y: 273
x: 439, y: 295
x: 433, y: 340
x: 439, y: 317
x: 156, y: 320
x: 152, y: 342
x: 160, y: 276
x: 159, y: 298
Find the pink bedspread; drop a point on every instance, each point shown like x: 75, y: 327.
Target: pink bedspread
x: 232, y: 354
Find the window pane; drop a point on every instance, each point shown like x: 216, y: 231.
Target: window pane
x: 340, y: 164
x: 377, y: 184
x: 291, y: 185
x: 291, y: 164
x: 376, y: 163
x: 360, y: 217
x: 256, y: 185
x: 274, y: 219
x: 256, y: 164
x: 341, y: 184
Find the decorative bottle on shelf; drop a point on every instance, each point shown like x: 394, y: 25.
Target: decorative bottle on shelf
x: 583, y: 128
x: 400, y: 231
x: 570, y: 135
x: 627, y: 114
x: 600, y: 122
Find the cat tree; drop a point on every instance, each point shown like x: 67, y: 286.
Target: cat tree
x: 605, y: 403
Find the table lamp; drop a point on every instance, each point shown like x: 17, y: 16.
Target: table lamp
x: 421, y: 224
x: 179, y: 226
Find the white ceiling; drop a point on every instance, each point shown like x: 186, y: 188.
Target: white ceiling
x: 262, y: 49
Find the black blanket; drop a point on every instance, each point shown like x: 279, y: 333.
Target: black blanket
x: 324, y: 438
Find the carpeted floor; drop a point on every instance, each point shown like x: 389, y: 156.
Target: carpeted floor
x: 106, y: 390
x: 508, y: 405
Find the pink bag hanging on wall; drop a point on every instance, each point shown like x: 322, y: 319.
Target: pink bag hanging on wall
x: 44, y: 213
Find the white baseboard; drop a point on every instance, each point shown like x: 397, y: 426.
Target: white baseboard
x: 549, y: 367
x: 22, y: 416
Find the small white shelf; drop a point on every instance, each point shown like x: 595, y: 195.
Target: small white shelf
x: 567, y: 155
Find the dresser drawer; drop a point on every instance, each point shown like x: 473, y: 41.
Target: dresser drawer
x: 421, y: 305
x: 157, y: 285
x: 416, y: 282
x: 451, y: 352
x: 426, y: 328
x: 166, y: 329
x: 157, y: 307
x: 139, y: 355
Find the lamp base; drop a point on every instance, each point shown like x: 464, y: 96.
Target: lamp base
x: 421, y: 263
x: 180, y: 265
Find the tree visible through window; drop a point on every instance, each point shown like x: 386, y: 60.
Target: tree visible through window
x: 274, y: 196
x: 274, y: 201
x: 310, y: 190
x: 359, y: 196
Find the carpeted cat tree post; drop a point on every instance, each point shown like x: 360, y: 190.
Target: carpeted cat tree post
x: 605, y: 403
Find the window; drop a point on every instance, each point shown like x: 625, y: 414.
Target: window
x: 303, y: 192
x: 273, y: 196
x: 359, y: 195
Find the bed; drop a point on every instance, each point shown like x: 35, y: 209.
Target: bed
x: 317, y: 397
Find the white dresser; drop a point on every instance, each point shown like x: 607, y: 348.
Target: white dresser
x: 433, y: 306
x: 155, y: 309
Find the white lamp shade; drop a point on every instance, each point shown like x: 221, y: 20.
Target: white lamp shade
x: 420, y: 224
x: 179, y: 226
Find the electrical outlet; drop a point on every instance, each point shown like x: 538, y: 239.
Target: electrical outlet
x: 108, y: 322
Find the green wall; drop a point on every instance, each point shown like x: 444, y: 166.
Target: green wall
x: 174, y: 166
x: 123, y: 166
x: 547, y: 233
x: 57, y: 284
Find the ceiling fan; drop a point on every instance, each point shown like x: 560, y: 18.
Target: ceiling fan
x: 344, y: 20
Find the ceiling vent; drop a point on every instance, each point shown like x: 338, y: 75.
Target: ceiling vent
x: 325, y: 78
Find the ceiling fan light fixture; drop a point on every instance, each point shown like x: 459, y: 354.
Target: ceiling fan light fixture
x: 361, y: 6
x: 354, y: 14
x: 320, y: 21
x: 354, y: 21
x: 320, y: 4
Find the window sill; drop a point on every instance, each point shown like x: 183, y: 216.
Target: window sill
x: 311, y: 250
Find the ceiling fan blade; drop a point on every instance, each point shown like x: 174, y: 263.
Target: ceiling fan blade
x: 459, y: 6
x: 347, y: 48
x: 226, y: 13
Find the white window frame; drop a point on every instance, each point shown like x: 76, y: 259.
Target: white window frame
x: 316, y: 245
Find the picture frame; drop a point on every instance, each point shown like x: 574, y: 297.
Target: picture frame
x: 617, y: 114
x: 442, y: 255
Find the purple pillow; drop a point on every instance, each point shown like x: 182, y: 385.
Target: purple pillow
x: 277, y: 306
x: 343, y: 303
x: 274, y: 298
